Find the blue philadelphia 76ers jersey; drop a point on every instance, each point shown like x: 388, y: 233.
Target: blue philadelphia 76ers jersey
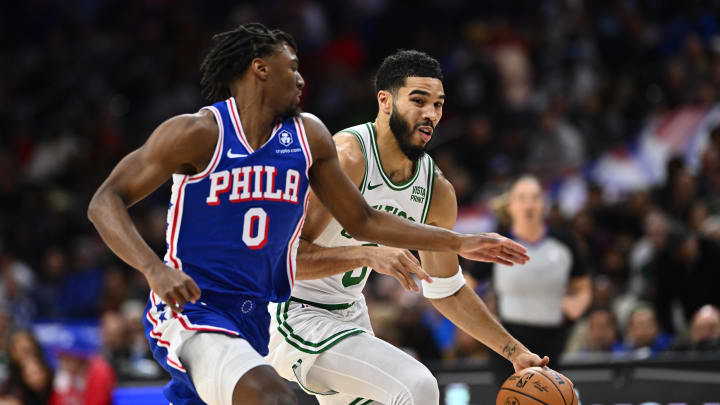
x: 235, y: 227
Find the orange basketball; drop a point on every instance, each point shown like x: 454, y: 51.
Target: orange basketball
x: 537, y: 386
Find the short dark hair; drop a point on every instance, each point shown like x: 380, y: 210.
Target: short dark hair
x: 232, y: 53
x: 403, y: 64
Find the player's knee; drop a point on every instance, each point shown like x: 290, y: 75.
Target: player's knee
x: 262, y: 386
x: 419, y: 387
x: 424, y: 388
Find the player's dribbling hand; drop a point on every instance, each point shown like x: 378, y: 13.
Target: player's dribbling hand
x: 398, y: 263
x: 492, y: 248
x: 173, y: 286
x: 528, y: 359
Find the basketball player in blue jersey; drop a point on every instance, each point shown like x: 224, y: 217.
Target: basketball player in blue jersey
x: 241, y: 170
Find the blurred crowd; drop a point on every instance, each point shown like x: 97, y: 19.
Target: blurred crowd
x: 547, y: 87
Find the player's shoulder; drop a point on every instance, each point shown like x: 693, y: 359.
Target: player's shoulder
x: 442, y: 186
x: 317, y: 134
x: 187, y: 131
x: 347, y: 146
x: 200, y: 123
x: 350, y: 153
x: 348, y: 142
x: 443, y: 203
x: 313, y: 125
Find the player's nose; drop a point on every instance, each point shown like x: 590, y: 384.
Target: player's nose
x: 431, y: 115
x: 300, y: 81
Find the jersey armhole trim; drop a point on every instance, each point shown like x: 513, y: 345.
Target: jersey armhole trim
x: 304, y: 143
x: 218, y: 148
x: 363, y: 183
x: 430, y: 184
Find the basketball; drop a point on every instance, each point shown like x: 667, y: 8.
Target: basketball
x: 537, y: 386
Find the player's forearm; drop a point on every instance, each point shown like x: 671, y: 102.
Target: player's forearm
x: 109, y: 214
x: 466, y: 310
x: 315, y: 261
x: 390, y: 230
x: 576, y: 303
x: 578, y: 298
x: 581, y: 297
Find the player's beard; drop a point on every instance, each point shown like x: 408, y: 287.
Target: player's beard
x: 400, y: 128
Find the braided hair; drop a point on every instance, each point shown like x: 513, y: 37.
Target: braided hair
x: 232, y: 53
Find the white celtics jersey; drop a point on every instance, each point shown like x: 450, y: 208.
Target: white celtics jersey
x: 410, y: 200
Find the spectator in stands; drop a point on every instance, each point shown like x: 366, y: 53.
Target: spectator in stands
x: 644, y: 250
x: 114, y: 345
x: 536, y: 299
x: 32, y: 386
x: 47, y: 294
x: 83, y: 376
x: 557, y: 149
x: 30, y: 379
x: 602, y: 332
x: 687, y: 270
x: 22, y: 344
x: 642, y: 334
x: 16, y: 281
x: 704, y: 331
x: 142, y: 364
x: 5, y: 329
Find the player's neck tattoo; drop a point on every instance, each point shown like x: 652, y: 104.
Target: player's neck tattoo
x: 509, y: 350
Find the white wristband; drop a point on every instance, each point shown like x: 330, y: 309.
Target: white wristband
x: 442, y: 287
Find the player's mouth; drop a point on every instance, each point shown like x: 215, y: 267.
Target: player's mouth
x: 426, y: 132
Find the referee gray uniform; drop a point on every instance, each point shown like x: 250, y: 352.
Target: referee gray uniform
x: 530, y: 296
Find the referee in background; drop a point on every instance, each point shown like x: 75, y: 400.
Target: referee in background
x: 537, y: 300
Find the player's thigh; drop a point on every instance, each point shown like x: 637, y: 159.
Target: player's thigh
x: 226, y: 370
x: 364, y: 366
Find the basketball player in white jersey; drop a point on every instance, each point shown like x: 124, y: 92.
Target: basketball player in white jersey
x: 322, y: 338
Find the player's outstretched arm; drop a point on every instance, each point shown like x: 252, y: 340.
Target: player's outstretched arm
x: 182, y: 144
x: 458, y: 302
x: 314, y: 261
x: 345, y: 202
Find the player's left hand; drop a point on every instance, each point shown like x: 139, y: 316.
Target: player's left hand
x: 398, y: 263
x: 528, y: 359
x: 492, y: 248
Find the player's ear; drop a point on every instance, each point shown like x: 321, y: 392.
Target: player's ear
x: 385, y: 101
x: 260, y: 68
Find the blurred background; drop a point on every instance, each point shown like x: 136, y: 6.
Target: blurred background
x: 612, y: 105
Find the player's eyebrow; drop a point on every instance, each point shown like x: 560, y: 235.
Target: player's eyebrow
x: 424, y: 93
